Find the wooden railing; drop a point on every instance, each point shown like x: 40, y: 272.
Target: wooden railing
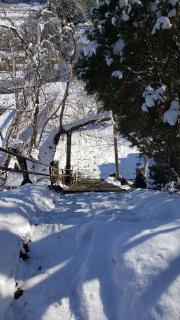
x: 56, y: 175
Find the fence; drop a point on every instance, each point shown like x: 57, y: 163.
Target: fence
x: 56, y: 175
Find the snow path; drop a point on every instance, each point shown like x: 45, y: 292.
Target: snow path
x: 99, y: 256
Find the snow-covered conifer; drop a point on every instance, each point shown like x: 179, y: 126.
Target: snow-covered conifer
x: 134, y: 69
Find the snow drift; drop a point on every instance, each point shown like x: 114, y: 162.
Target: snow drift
x: 105, y: 256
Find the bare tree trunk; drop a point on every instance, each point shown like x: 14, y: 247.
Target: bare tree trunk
x: 33, y: 143
x: 66, y: 94
x: 35, y: 126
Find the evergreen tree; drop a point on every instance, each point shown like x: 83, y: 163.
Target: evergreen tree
x: 131, y: 64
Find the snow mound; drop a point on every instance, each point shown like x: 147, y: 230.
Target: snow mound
x: 17, y: 210
x: 98, y: 255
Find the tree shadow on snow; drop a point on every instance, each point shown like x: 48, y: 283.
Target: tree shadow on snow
x: 81, y: 252
x: 127, y: 167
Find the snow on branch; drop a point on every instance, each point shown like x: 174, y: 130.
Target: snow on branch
x: 171, y: 115
x: 94, y: 118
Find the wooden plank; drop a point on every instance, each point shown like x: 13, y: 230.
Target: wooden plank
x: 69, y: 191
x: 92, y: 185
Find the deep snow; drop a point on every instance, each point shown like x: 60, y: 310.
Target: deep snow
x: 93, y: 256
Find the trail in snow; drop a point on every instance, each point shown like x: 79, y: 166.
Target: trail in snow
x: 99, y: 256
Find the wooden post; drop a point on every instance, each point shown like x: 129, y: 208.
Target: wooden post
x: 115, y: 146
x: 23, y: 165
x: 54, y: 172
x: 68, y: 176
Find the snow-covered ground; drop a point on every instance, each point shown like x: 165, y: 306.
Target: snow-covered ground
x: 14, y: 224
x: 18, y: 13
x: 95, y: 256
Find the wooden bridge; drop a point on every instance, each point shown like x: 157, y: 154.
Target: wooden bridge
x: 96, y: 185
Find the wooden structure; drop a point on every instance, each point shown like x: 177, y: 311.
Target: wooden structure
x: 70, y: 180
x: 95, y: 185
